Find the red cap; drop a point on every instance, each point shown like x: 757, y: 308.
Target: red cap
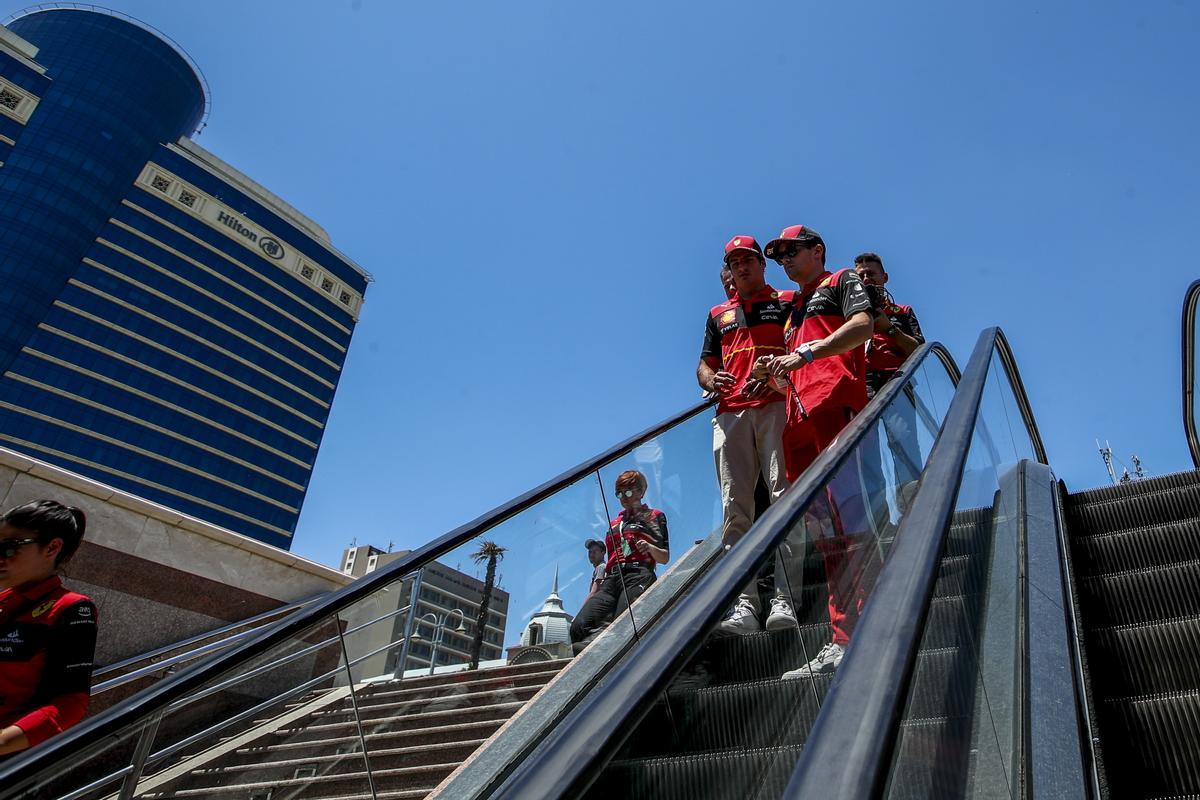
x: 742, y: 243
x: 793, y: 233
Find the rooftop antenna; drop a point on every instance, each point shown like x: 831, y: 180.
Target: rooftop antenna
x: 354, y: 543
x: 1126, y: 477
x: 391, y: 545
x: 1138, y: 473
x: 1106, y: 454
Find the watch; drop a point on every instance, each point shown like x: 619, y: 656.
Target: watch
x: 805, y: 352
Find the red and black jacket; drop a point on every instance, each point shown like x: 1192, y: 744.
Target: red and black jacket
x: 820, y: 308
x: 883, y: 356
x: 47, y: 642
x: 738, y: 331
x: 647, y: 524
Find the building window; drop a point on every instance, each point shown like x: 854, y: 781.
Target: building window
x: 349, y: 562
x: 345, y: 297
x: 10, y: 100
x: 160, y: 183
x: 372, y: 562
x: 187, y: 198
x: 327, y: 285
x: 307, y: 271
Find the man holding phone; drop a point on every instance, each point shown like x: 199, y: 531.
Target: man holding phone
x: 748, y: 427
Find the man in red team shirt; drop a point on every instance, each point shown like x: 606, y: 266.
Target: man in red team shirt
x: 748, y: 428
x: 824, y: 372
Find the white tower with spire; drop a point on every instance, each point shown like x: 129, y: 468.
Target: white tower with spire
x: 551, y: 625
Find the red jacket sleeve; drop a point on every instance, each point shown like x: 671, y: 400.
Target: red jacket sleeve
x: 65, y: 687
x: 59, y: 714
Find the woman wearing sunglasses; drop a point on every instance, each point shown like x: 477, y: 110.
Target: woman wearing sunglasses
x: 47, y: 633
x: 637, y: 542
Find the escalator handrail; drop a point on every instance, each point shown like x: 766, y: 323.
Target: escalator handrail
x: 563, y: 764
x: 848, y: 753
x: 126, y: 718
x: 1191, y: 301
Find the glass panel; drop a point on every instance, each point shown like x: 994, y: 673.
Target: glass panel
x: 680, y: 483
x: 959, y: 732
x: 279, y: 724
x: 1194, y: 338
x: 99, y: 775
x: 733, y: 721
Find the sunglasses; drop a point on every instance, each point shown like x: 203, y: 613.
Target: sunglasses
x: 626, y: 493
x: 786, y: 252
x: 10, y: 547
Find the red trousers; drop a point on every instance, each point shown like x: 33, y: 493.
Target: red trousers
x: 837, y: 520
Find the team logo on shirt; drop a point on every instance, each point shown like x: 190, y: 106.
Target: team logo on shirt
x: 42, y: 609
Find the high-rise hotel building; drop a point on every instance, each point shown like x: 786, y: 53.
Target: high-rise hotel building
x: 167, y: 326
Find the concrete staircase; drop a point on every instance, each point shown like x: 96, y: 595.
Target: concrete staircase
x: 416, y: 733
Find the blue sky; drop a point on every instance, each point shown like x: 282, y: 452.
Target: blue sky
x: 542, y: 191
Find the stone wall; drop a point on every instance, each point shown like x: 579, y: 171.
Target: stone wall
x: 156, y: 575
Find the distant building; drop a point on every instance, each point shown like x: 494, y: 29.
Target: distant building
x: 168, y: 326
x: 548, y: 634
x: 443, y: 593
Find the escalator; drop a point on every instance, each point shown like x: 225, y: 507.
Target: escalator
x: 1005, y: 639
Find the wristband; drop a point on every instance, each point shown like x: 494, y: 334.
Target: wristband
x: 805, y: 352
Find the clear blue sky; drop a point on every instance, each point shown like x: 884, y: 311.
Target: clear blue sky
x: 542, y: 190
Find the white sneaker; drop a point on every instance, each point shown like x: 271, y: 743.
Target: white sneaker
x: 781, y: 616
x: 741, y: 620
x: 826, y: 662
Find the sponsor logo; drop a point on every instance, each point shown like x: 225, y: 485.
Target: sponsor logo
x: 272, y: 248
x: 42, y: 609
x: 85, y: 611
x: 728, y: 317
x: 737, y: 242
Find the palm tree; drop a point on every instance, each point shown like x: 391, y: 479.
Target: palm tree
x: 491, y: 553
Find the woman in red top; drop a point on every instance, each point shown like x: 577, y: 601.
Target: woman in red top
x: 637, y: 542
x: 47, y: 633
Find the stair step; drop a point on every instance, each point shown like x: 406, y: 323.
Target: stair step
x: 1150, y: 546
x: 381, y: 757
x: 397, y: 692
x: 1146, y: 658
x: 391, y: 710
x: 1159, y: 483
x: 1141, y: 595
x: 424, y: 719
x: 417, y: 736
x: 1157, y: 751
x: 718, y: 775
x: 1135, y: 511
x: 425, y: 777
x: 929, y: 760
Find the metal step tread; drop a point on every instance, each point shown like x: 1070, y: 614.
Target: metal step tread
x: 1159, y: 483
x: 1137, y: 548
x: 378, y: 774
x: 428, y: 701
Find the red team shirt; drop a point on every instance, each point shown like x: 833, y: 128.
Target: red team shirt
x: 819, y: 309
x: 47, y: 641
x: 738, y: 331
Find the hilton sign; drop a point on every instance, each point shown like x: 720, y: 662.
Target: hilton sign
x: 269, y: 246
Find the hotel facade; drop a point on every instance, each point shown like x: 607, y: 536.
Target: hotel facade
x: 168, y: 326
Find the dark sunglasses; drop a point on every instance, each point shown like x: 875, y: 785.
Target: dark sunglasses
x: 787, y: 252
x: 10, y: 547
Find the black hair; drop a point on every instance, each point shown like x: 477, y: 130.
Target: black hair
x: 865, y: 257
x: 50, y: 520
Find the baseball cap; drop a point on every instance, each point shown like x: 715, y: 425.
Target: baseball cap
x: 793, y: 233
x: 742, y: 243
x: 590, y: 543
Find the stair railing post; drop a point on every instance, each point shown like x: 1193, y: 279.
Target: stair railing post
x: 362, y: 739
x: 409, y: 620
x: 140, y: 752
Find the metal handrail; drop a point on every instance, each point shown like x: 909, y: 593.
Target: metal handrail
x: 124, y: 719
x: 562, y: 765
x: 1191, y: 301
x: 848, y: 752
x: 193, y: 652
